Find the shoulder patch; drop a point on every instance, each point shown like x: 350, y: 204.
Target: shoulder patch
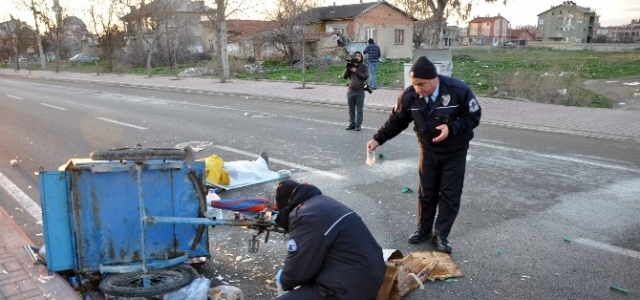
x: 473, y: 105
x: 292, y: 246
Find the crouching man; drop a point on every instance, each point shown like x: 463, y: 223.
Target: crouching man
x: 331, y: 252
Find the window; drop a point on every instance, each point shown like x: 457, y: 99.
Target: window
x: 399, y: 39
x: 369, y: 33
x: 211, y: 45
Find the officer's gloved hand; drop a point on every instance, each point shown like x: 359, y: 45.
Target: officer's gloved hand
x: 278, y: 275
x: 274, y: 216
x: 278, y: 284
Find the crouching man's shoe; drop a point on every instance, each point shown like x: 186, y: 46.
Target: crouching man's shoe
x: 419, y: 237
x: 442, y: 245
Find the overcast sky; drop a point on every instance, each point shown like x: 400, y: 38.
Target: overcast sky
x: 518, y: 12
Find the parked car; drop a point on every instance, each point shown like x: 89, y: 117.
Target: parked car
x: 509, y: 44
x: 81, y: 57
x: 23, y: 60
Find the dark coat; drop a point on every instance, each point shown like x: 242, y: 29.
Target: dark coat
x: 461, y: 113
x: 357, y: 80
x: 330, y: 247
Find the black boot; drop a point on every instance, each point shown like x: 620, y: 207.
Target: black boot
x: 419, y: 237
x: 442, y: 245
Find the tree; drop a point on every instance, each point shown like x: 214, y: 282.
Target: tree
x: 440, y: 11
x: 292, y: 17
x: 218, y: 18
x: 52, y: 18
x: 161, y: 19
x: 21, y: 35
x: 103, y: 15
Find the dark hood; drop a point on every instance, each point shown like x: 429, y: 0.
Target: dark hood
x: 299, y: 195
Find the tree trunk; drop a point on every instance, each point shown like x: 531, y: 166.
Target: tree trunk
x: 58, y: 56
x: 221, y: 51
x: 304, y: 69
x: 149, y: 55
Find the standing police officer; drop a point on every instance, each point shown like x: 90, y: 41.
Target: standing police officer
x: 444, y: 112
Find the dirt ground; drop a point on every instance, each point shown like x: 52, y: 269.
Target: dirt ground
x: 623, y: 92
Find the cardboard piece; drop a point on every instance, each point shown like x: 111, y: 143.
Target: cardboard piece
x: 403, y: 275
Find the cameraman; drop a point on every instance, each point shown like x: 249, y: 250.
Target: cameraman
x: 357, y: 73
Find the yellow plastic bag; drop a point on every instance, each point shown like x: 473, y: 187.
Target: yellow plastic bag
x: 214, y: 173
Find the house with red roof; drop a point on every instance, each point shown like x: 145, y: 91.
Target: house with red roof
x: 489, y: 31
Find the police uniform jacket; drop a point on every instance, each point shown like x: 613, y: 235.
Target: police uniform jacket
x: 331, y: 249
x: 456, y: 106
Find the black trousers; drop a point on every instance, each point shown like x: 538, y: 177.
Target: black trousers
x: 441, y: 181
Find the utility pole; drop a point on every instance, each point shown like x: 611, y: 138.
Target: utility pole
x: 57, y: 10
x: 35, y: 20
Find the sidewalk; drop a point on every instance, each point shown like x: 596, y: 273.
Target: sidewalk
x: 19, y: 277
x: 613, y: 124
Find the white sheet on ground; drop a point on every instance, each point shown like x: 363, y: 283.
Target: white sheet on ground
x: 248, y: 172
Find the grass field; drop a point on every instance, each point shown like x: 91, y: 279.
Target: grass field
x: 537, y: 74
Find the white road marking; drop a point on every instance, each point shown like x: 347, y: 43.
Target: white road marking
x: 56, y: 107
x: 121, y: 123
x: 286, y: 163
x: 14, y: 97
x: 557, y: 157
x: 608, y: 247
x: 27, y: 203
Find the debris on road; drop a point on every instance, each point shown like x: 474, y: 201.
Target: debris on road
x: 619, y: 289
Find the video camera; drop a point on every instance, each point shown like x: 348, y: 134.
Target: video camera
x: 351, y: 62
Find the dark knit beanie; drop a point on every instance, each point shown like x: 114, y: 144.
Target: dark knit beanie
x: 423, y: 68
x: 283, y: 192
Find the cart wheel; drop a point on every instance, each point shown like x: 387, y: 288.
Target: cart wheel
x: 136, y: 154
x: 152, y: 283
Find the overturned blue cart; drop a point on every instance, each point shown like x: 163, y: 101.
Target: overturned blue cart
x: 137, y: 214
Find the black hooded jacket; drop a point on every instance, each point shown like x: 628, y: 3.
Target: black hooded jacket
x: 330, y: 248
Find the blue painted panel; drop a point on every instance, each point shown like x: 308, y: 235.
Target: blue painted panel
x: 186, y: 205
x: 107, y: 218
x: 56, y: 221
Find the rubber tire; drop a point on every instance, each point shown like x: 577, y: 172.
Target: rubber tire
x: 129, y: 284
x: 139, y: 154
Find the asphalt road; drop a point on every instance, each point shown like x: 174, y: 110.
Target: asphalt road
x: 526, y: 193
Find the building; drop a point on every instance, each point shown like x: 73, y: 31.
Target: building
x: 77, y: 39
x: 451, y: 36
x: 390, y: 27
x: 522, y: 37
x: 245, y: 38
x: 629, y: 33
x: 487, y: 30
x: 16, y: 35
x: 168, y: 22
x: 567, y: 22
